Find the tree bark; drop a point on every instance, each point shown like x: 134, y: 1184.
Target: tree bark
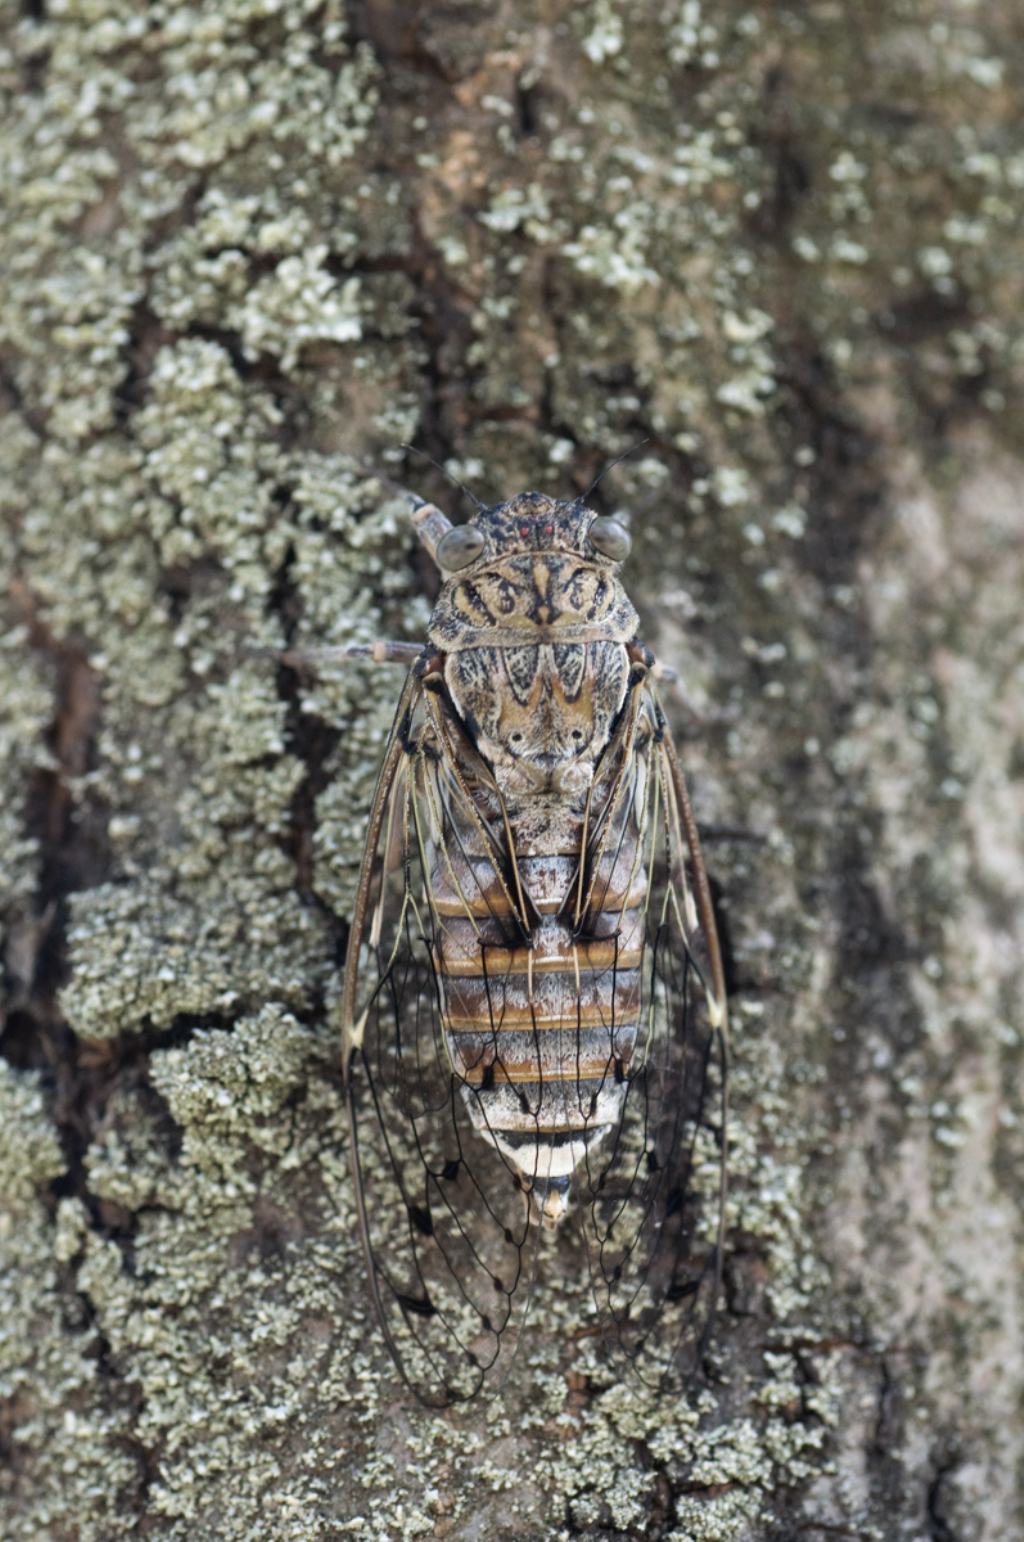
x: 249, y: 250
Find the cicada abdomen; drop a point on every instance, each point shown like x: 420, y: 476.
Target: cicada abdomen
x: 535, y: 940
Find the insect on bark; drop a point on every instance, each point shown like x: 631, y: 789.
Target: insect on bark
x: 534, y: 1012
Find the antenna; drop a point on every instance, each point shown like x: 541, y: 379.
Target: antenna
x: 445, y: 473
x: 611, y: 464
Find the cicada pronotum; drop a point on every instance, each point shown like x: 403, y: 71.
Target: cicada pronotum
x: 534, y: 1011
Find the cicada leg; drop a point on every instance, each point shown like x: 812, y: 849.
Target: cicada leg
x: 664, y: 674
x: 382, y: 651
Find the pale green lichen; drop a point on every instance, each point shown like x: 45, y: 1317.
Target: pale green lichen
x: 30, y: 1153
x: 25, y: 711
x: 65, y: 1426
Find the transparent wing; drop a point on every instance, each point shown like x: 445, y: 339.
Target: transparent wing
x: 444, y: 1219
x: 444, y: 1223
x: 652, y: 1195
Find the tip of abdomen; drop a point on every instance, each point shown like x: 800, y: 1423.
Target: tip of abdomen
x: 547, y: 1164
x: 549, y: 1201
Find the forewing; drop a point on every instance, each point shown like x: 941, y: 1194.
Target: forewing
x: 653, y: 1192
x: 444, y: 1225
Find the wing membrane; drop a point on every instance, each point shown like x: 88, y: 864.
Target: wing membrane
x: 444, y: 1219
x: 444, y: 1224
x: 653, y: 1195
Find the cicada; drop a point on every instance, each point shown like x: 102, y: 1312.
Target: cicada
x: 534, y: 1007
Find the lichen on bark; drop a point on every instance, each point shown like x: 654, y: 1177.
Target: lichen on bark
x: 251, y: 248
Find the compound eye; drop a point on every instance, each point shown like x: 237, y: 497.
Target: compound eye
x: 611, y: 538
x: 460, y: 546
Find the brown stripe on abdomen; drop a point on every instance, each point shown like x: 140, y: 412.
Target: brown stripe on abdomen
x: 465, y: 885
x: 570, y: 1015
x: 541, y: 1029
x: 481, y: 950
x: 605, y: 998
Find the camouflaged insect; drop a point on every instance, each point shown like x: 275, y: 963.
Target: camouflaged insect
x: 534, y: 1011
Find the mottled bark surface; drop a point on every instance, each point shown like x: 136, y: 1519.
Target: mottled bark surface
x: 250, y: 247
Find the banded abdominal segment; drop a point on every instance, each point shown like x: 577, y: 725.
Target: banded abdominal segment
x: 542, y: 1002
x: 541, y: 1034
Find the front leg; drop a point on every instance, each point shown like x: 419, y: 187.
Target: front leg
x: 640, y: 655
x: 381, y: 651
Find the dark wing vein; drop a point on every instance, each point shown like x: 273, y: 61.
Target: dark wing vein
x: 654, y: 1193
x: 443, y: 1224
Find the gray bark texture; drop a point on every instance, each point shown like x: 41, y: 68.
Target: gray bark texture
x: 249, y: 248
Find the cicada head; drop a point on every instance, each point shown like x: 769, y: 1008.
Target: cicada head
x: 533, y: 522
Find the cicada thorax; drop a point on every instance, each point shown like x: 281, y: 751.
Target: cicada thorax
x: 539, y: 952
x: 537, y: 668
